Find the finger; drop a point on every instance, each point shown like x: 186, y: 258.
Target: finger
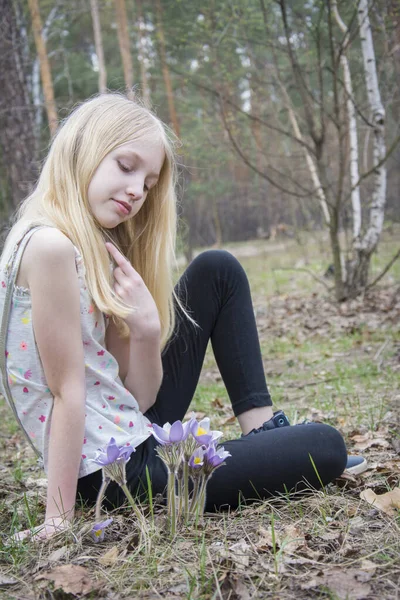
x: 118, y: 257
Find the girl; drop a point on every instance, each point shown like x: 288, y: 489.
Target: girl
x: 100, y: 345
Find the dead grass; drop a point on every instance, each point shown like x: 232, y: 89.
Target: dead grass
x: 339, y: 365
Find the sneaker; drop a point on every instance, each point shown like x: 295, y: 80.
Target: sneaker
x: 356, y: 464
x: 279, y: 419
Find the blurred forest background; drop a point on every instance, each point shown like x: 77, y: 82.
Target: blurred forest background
x: 284, y: 132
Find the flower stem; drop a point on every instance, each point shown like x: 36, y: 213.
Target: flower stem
x: 185, y: 491
x: 171, y: 502
x: 100, y: 497
x: 202, y: 496
x: 180, y: 495
x: 136, y: 510
x: 195, y: 496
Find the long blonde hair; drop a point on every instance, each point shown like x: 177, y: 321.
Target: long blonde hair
x: 93, y: 130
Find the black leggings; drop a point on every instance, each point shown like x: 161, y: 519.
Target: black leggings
x: 216, y: 292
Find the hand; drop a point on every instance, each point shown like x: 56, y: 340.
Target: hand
x: 43, y: 532
x: 130, y: 287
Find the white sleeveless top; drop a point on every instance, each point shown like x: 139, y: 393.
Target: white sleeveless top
x: 111, y: 410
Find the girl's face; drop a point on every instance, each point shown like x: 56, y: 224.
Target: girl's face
x: 122, y: 180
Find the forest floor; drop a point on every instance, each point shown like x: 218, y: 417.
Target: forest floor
x: 339, y: 364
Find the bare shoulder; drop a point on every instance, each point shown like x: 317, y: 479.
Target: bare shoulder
x: 49, y: 244
x: 47, y: 249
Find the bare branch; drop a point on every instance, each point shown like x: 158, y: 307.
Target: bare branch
x: 313, y: 275
x: 253, y: 167
x: 385, y: 270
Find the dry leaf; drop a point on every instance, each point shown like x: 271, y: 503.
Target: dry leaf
x: 293, y: 539
x: 230, y: 421
x: 110, y: 557
x: 264, y: 542
x: 369, y: 439
x: 58, y: 554
x: 233, y: 588
x: 217, y: 403
x: 239, y: 554
x: 6, y: 580
x: 72, y: 579
x: 36, y: 483
x: 345, y: 584
x: 387, y: 503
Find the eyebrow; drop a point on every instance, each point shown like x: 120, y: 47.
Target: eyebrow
x: 136, y: 156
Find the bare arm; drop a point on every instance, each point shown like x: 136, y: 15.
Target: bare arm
x: 53, y: 282
x: 139, y: 357
x: 139, y: 360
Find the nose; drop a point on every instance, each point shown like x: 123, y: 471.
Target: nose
x: 135, y: 189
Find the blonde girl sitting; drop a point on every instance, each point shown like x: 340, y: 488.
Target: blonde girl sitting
x: 99, y: 344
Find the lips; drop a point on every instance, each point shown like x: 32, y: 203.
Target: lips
x: 125, y: 205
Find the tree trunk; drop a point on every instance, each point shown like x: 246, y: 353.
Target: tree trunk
x: 124, y: 45
x: 358, y: 269
x: 353, y: 141
x: 142, y: 53
x: 98, y: 41
x: 47, y: 83
x: 16, y: 113
x: 165, y: 70
x: 310, y: 163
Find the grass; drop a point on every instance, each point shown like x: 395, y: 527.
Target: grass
x: 334, y: 364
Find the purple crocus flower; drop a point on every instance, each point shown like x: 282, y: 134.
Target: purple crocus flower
x: 214, y: 457
x: 197, y: 459
x: 113, y: 459
x: 98, y: 530
x: 171, y: 434
x: 202, y: 433
x: 112, y: 453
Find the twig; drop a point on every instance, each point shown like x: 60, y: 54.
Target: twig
x: 316, y: 277
x: 381, y: 349
x: 385, y: 270
x: 300, y: 386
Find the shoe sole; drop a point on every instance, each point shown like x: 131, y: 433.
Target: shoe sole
x: 357, y: 469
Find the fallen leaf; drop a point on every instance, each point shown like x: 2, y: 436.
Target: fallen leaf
x: 387, y: 503
x: 6, y: 580
x: 361, y: 446
x: 36, y: 483
x: 292, y: 539
x: 72, y: 579
x: 344, y: 583
x: 110, y: 557
x: 233, y: 588
x: 58, y: 554
x: 265, y: 542
x: 239, y: 553
x: 217, y: 403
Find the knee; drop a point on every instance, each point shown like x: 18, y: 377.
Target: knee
x: 333, y: 453
x: 216, y: 261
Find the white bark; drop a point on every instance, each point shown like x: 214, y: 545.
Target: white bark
x: 353, y: 141
x: 309, y: 160
x: 371, y: 237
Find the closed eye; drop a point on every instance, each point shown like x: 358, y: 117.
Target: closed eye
x: 123, y: 167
